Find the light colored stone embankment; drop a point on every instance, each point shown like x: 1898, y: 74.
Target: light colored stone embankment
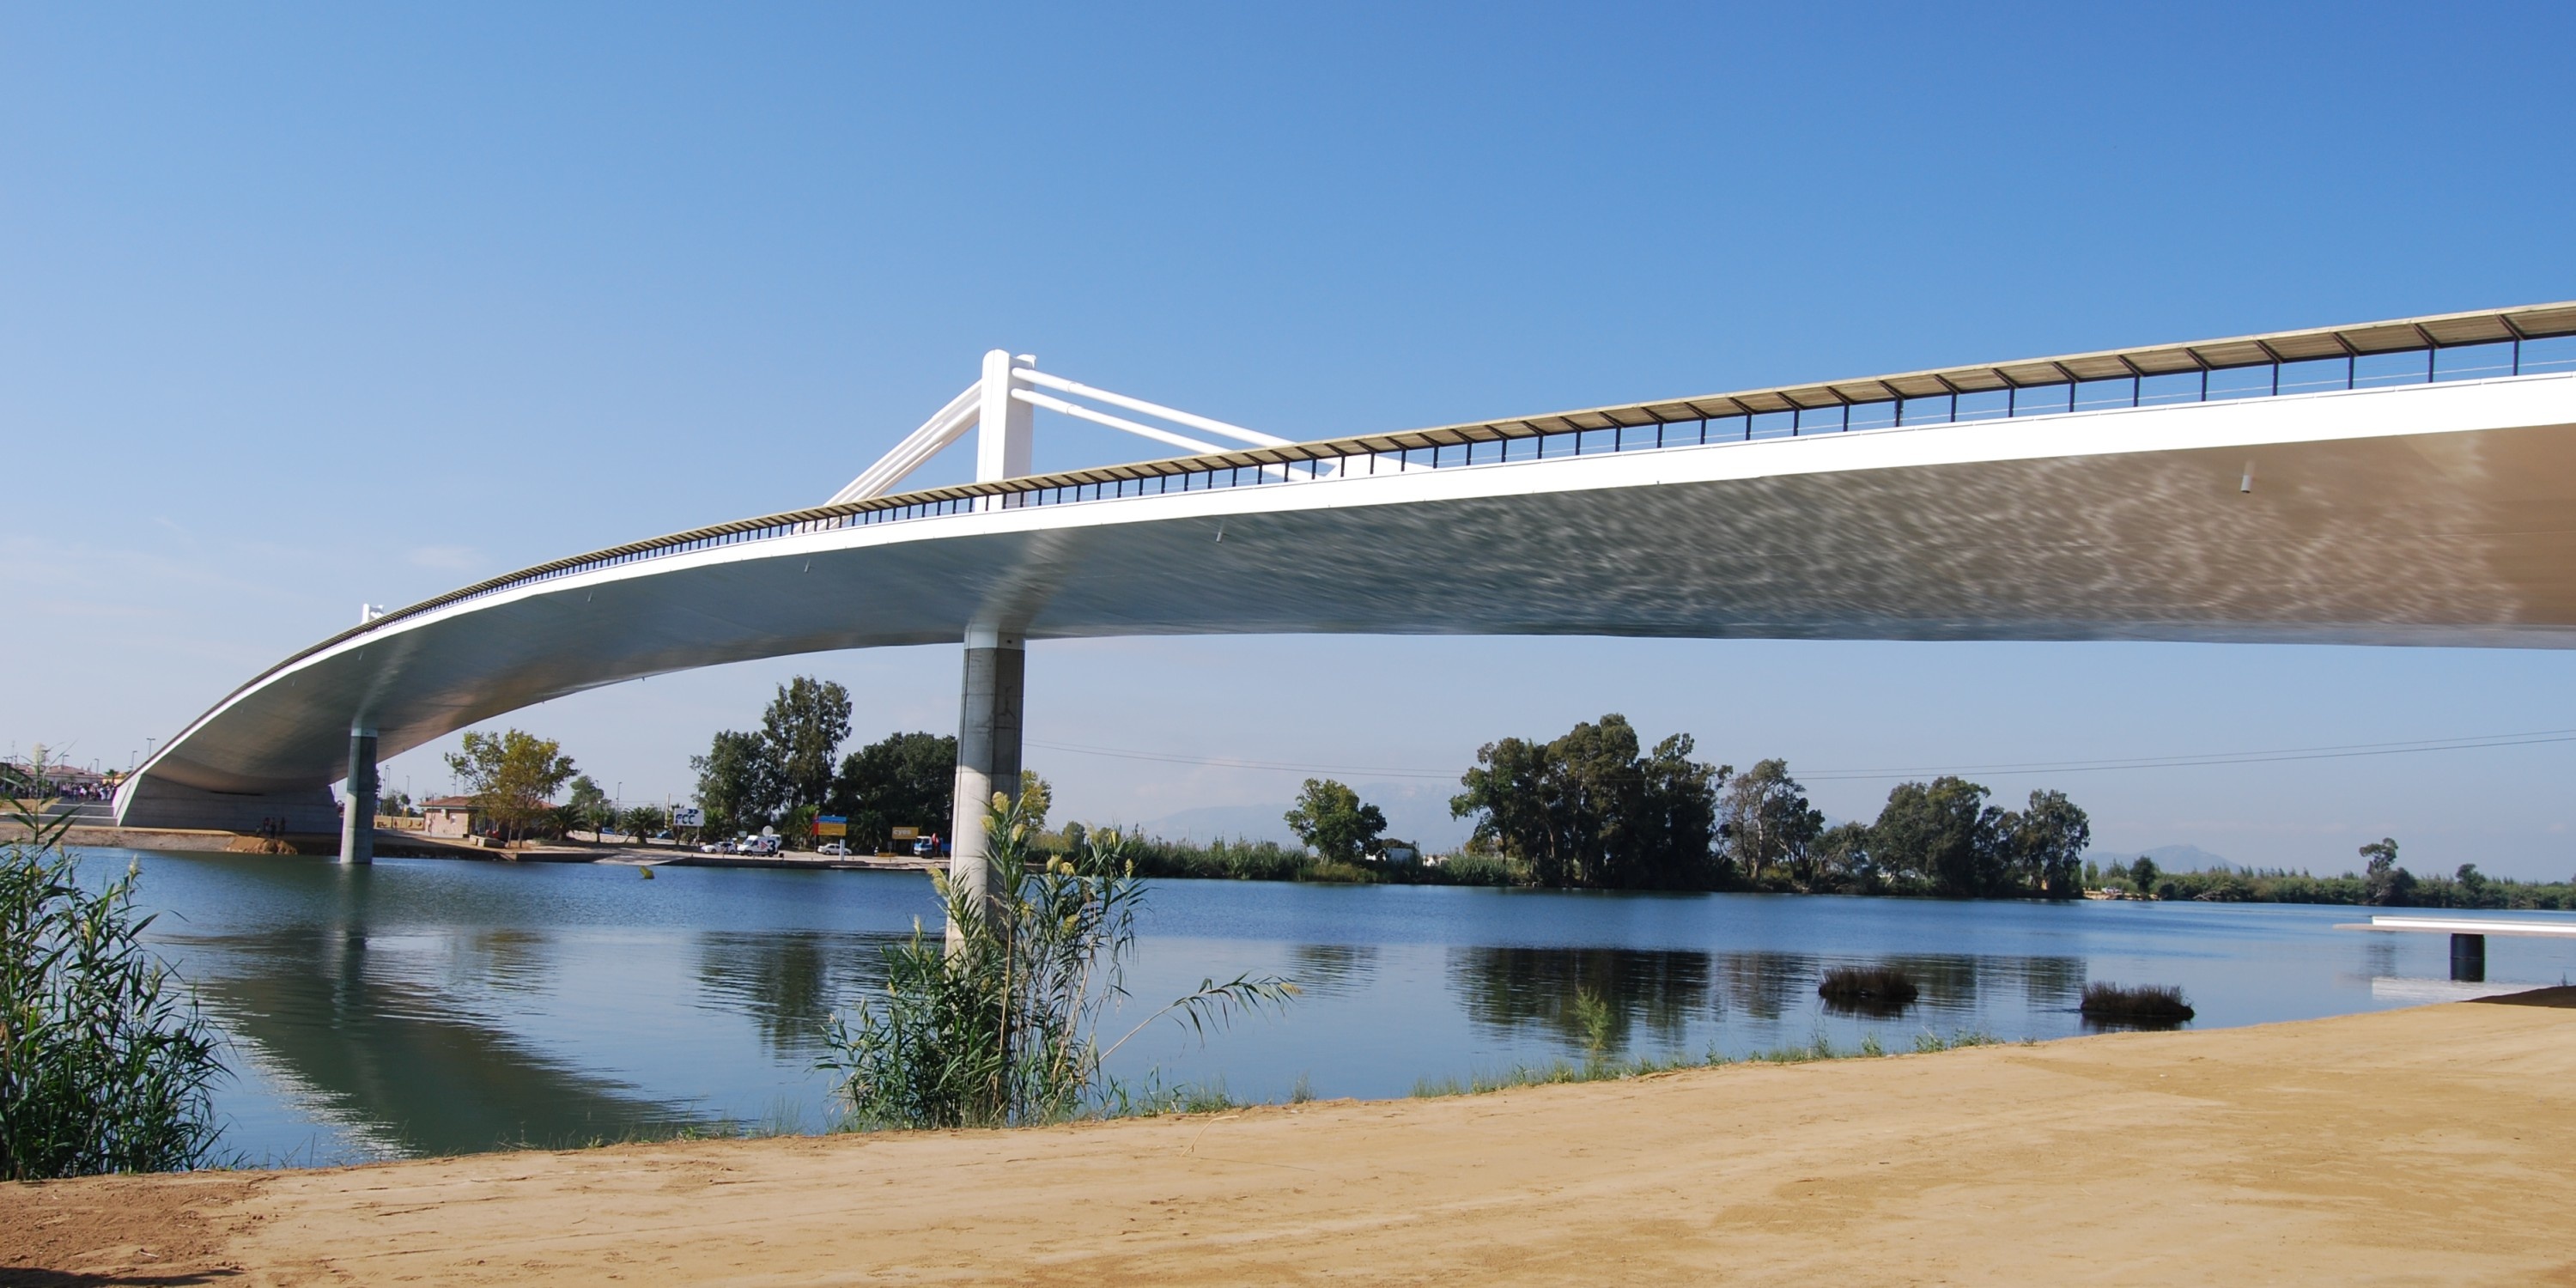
x: 2435, y: 1145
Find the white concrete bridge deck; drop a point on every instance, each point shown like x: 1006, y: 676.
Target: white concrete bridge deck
x: 2409, y: 483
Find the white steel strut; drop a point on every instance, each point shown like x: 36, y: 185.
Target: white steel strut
x: 1004, y: 428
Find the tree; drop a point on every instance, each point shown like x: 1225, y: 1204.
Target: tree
x: 1939, y: 833
x: 2142, y: 876
x: 1670, y: 841
x: 642, y: 821
x: 740, y: 783
x: 585, y: 806
x: 2383, y: 882
x: 1765, y: 820
x: 1840, y: 856
x: 512, y: 777
x: 2044, y: 844
x: 1512, y: 795
x: 804, y: 727
x: 1587, y: 810
x: 1334, y: 823
x: 906, y: 780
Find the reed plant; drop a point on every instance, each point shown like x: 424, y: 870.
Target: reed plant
x: 1871, y: 988
x: 1004, y: 1023
x: 106, y: 1064
x: 2142, y: 1004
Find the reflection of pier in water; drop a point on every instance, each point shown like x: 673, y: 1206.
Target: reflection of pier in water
x: 1661, y: 992
x: 1331, y: 970
x: 788, y: 982
x: 398, y: 1058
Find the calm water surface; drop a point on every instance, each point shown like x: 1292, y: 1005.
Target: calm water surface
x: 433, y: 1006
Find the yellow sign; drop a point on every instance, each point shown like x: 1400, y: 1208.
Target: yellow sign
x: 907, y: 833
x: 831, y: 825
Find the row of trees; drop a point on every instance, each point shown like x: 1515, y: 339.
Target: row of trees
x: 2382, y: 882
x: 791, y: 769
x: 1592, y: 809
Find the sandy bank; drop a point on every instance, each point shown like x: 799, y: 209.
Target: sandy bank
x: 2434, y: 1145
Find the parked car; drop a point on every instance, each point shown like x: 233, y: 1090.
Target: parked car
x: 833, y: 848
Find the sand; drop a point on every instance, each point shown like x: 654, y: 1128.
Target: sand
x: 2433, y: 1145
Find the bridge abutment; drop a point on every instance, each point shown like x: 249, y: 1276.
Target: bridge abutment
x: 358, y: 810
x: 988, y: 757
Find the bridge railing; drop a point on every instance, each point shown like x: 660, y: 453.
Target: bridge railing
x: 2535, y: 341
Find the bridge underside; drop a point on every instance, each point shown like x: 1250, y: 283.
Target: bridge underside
x: 2437, y: 515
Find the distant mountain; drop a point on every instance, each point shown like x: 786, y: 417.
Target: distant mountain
x: 2167, y: 858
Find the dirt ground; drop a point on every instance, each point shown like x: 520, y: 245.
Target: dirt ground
x: 2434, y: 1145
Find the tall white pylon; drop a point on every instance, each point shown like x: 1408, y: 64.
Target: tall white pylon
x: 1004, y: 426
x: 1000, y: 407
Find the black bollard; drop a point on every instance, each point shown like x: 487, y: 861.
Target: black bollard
x: 2469, y: 958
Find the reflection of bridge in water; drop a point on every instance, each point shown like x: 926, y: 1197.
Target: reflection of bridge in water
x: 2409, y: 482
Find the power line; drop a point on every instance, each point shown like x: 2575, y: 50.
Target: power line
x: 2341, y: 751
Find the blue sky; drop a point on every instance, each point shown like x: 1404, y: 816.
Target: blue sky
x: 303, y: 306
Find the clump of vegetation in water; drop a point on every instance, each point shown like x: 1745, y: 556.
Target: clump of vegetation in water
x: 2139, y: 1004
x: 1002, y: 1025
x: 1868, y: 988
x: 105, y: 1063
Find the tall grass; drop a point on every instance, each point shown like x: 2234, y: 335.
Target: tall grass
x: 1005, y: 1025
x: 106, y: 1065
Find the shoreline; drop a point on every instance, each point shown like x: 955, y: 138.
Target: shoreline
x: 2420, y: 1144
x: 412, y: 845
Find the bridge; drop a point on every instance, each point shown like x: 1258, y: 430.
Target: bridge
x: 2403, y: 482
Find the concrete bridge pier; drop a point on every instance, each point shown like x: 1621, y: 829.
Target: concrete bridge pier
x: 358, y: 811
x: 2469, y: 958
x: 988, y: 756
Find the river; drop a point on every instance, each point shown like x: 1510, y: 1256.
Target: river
x: 437, y: 1006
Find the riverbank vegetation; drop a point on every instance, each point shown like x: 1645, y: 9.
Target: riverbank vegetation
x: 1006, y: 1023
x: 2380, y: 883
x: 1236, y: 860
x: 105, y: 1063
x: 790, y: 772
x: 1591, y: 810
